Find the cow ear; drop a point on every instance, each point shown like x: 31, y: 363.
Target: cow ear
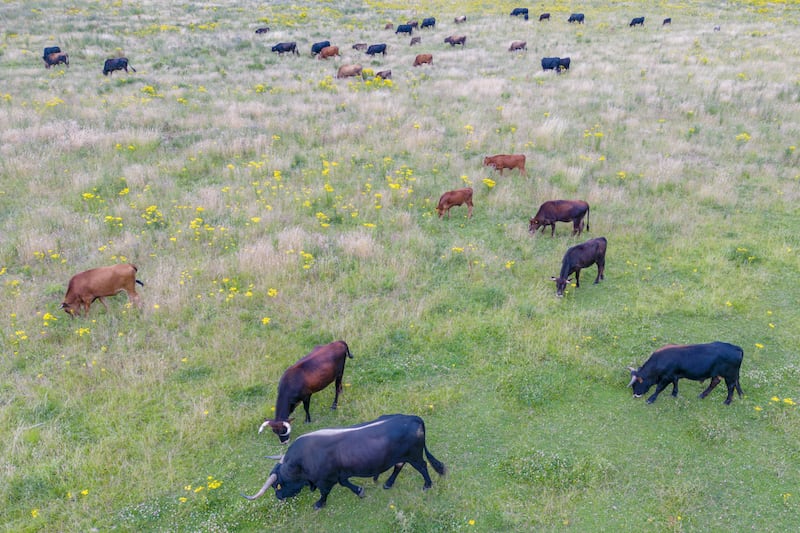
x: 553, y: 278
x: 639, y: 379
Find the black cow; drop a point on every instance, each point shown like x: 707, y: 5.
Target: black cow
x: 323, y: 458
x: 544, y: 16
x: 551, y: 63
x: 667, y: 20
x: 53, y: 59
x: 563, y: 62
x: 698, y: 362
x: 282, y: 48
x: 636, y: 21
x: 576, y: 17
x: 316, y: 47
x: 321, y: 367
x: 117, y: 63
x: 429, y: 22
x: 265, y: 29
x: 50, y: 50
x: 554, y: 211
x: 404, y: 28
x: 582, y: 256
x: 520, y: 12
x: 376, y: 49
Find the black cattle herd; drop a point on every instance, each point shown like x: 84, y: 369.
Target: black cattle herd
x: 323, y: 458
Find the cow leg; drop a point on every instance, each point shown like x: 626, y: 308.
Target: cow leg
x: 553, y: 229
x: 306, y: 405
x: 660, y: 387
x: 102, y: 301
x: 578, y: 278
x: 675, y: 387
x: 422, y: 468
x: 601, y: 268
x: 469, y: 209
x: 323, y: 498
x: 335, y: 403
x: 390, y: 481
x: 714, y: 382
x: 358, y: 491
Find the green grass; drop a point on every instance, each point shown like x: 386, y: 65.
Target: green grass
x: 270, y: 207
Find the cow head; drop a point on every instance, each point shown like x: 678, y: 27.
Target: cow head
x: 282, y: 428
x: 284, y: 488
x: 561, y: 284
x: 70, y: 308
x: 487, y: 161
x: 535, y: 223
x: 639, y: 383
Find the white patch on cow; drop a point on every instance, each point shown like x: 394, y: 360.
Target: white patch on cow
x: 338, y: 431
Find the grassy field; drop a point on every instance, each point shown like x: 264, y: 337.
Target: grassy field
x: 271, y: 207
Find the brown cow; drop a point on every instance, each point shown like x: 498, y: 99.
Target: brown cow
x: 459, y: 20
x: 502, y: 161
x: 456, y: 39
x: 389, y: 26
x: 422, y: 59
x: 86, y: 287
x: 328, y: 51
x: 53, y: 59
x: 554, y: 211
x: 384, y: 74
x: 346, y: 71
x: 360, y: 47
x: 415, y: 40
x: 518, y: 45
x: 413, y: 23
x: 454, y: 198
x: 321, y: 367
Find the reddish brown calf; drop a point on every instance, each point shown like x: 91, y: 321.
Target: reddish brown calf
x: 97, y: 283
x: 454, y: 198
x: 503, y: 161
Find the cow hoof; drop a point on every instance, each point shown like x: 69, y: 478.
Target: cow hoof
x: 387, y: 486
x: 361, y: 492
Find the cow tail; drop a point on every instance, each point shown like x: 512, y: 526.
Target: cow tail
x: 588, y: 212
x: 133, y: 69
x: 435, y: 463
x: 140, y: 282
x: 347, y: 350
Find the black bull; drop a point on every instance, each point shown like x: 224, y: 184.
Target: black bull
x: 323, y: 458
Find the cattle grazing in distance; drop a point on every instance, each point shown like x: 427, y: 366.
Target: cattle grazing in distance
x: 95, y: 284
x: 581, y: 256
x: 563, y: 62
x: 717, y: 28
x: 384, y: 74
x: 413, y: 23
x: 555, y: 63
x: 323, y: 458
x: 53, y: 59
x: 361, y: 47
x: 698, y: 362
x: 376, y: 49
x: 544, y: 16
x: 317, y: 47
x: 404, y: 28
x: 423, y: 59
x: 460, y: 19
x: 263, y: 29
x: 415, y: 40
x: 456, y: 39
x: 282, y: 48
x: 328, y: 51
x: 50, y: 50
x: 636, y: 21
x: 576, y: 17
x: 321, y: 367
x: 428, y: 22
x: 118, y: 63
x: 347, y: 71
x: 554, y: 211
x: 667, y: 20
x: 455, y: 198
x: 520, y: 12
x: 518, y: 45
x: 388, y: 26
x: 503, y: 161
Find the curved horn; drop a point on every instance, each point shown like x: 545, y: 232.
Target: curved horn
x: 633, y: 380
x: 270, y: 481
x: 265, y: 424
x: 288, y: 427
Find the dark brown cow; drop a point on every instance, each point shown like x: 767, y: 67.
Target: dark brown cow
x: 582, y: 256
x: 415, y: 40
x: 423, y: 59
x: 454, y: 198
x: 321, y: 367
x: 384, y: 74
x: 346, y: 71
x: 53, y: 59
x: 97, y: 283
x: 360, y: 46
x: 503, y: 161
x: 328, y: 51
x: 554, y: 211
x: 456, y: 39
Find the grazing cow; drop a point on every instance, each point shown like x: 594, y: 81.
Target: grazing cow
x: 317, y: 47
x: 415, y: 40
x: 50, y: 50
x: 283, y: 48
x: 667, y: 20
x: 717, y: 28
x: 347, y: 71
x: 576, y: 17
x: 360, y: 47
x: 503, y: 161
x: 544, y: 16
x: 422, y: 59
x: 563, y: 62
x: 518, y: 45
x: 429, y: 22
x: 321, y: 367
x: 581, y: 256
x: 456, y: 39
x: 698, y: 362
x: 323, y: 458
x: 454, y: 198
x: 55, y: 58
x: 95, y: 284
x: 389, y: 26
x: 265, y: 29
x: 384, y: 74
x: 376, y: 49
x: 413, y: 23
x: 460, y: 19
x: 636, y: 21
x: 118, y: 63
x: 551, y: 63
x: 328, y: 51
x: 520, y: 12
x: 404, y: 28
x: 554, y: 211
